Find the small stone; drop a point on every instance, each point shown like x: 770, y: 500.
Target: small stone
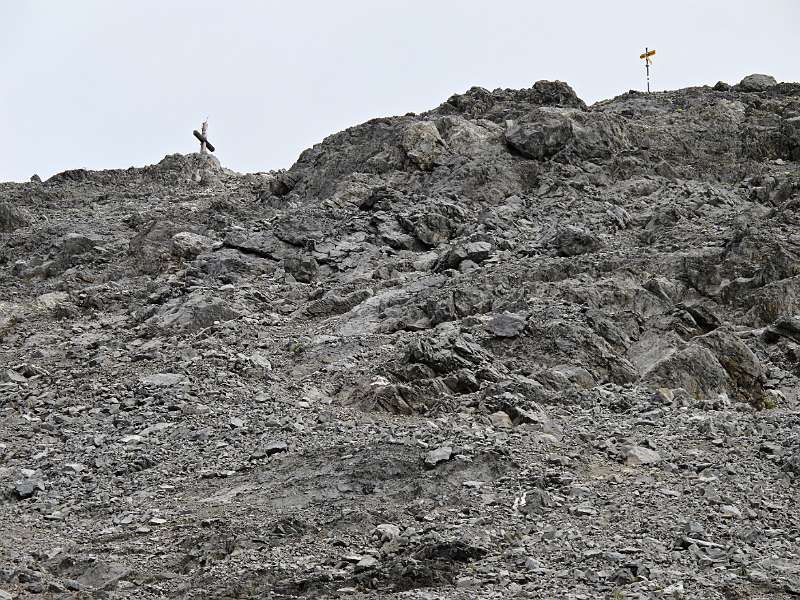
x: 638, y: 455
x: 663, y: 396
x: 694, y: 529
x: 465, y: 583
x: 260, y: 360
x: 274, y: 448
x: 52, y: 299
x: 730, y: 512
x: 368, y: 562
x: 154, y: 428
x: 532, y: 564
x: 35, y: 587
x: 237, y: 422
x: 584, y: 509
x: 773, y: 398
x: 467, y: 265
x: 25, y: 489
x: 675, y: 590
x: 352, y: 558
x: 387, y: 532
x: 501, y: 419
x: 189, y: 245
x: 14, y: 377
x: 506, y: 325
x: 439, y: 455
x: 162, y: 379
x: 473, y: 484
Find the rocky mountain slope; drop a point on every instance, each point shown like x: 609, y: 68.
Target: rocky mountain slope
x: 513, y: 347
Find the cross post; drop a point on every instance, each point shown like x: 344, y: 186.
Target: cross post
x: 203, y: 137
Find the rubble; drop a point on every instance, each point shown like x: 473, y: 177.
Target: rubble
x: 514, y: 346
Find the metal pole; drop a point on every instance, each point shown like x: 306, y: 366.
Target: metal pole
x: 647, y: 66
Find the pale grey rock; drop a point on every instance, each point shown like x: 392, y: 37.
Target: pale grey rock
x: 757, y: 83
x: 52, y: 300
x: 163, y: 379
x: 366, y: 563
x: 189, y: 245
x: 274, y: 447
x: 434, y: 457
x: 506, y: 325
x: 501, y: 420
x: 638, y: 455
x: 574, y: 240
x: 424, y: 145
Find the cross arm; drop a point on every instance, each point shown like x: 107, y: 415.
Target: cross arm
x: 203, y: 139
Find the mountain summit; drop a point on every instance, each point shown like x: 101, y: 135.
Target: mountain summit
x: 515, y: 346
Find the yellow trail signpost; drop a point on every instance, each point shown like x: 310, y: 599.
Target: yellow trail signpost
x: 647, y: 62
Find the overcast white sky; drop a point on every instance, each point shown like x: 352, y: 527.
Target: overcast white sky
x: 111, y: 84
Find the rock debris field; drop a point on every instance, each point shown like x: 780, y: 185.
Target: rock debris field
x: 513, y: 347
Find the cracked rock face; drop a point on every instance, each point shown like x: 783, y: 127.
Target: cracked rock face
x: 514, y: 346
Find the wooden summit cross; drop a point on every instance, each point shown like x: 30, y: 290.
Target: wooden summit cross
x: 204, y: 143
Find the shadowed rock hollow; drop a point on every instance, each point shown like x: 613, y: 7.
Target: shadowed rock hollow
x: 511, y: 347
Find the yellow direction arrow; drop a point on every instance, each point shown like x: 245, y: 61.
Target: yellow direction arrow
x: 647, y: 54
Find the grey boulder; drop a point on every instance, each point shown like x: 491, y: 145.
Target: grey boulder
x: 757, y: 82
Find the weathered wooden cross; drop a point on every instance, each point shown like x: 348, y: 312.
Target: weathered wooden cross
x: 204, y: 143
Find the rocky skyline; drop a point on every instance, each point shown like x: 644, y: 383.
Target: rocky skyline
x: 512, y: 347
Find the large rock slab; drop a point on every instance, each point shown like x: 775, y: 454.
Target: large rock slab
x: 197, y: 311
x: 710, y: 365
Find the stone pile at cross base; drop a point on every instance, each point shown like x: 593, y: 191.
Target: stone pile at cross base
x: 512, y: 347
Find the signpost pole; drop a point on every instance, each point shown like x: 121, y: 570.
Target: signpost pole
x: 646, y: 56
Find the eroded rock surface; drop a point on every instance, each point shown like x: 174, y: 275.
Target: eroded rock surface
x: 514, y: 346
